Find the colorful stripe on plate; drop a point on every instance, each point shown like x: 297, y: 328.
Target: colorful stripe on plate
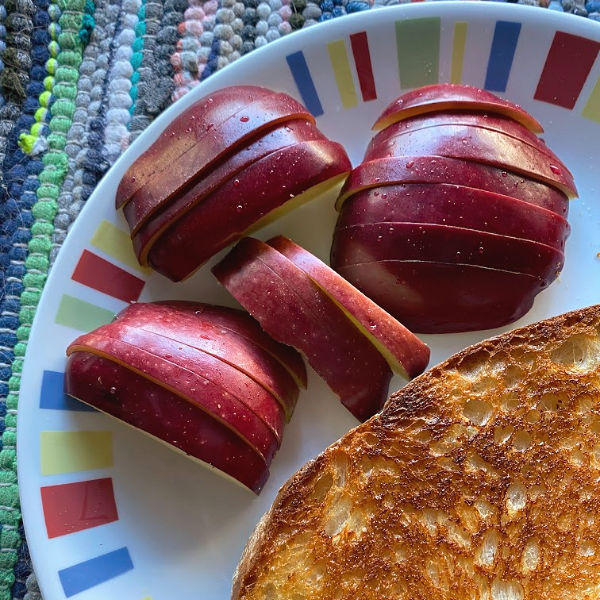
x: 364, y: 67
x: 74, y: 451
x: 458, y: 51
x: 591, y: 110
x: 116, y: 242
x: 418, y: 46
x: 566, y: 69
x: 97, y: 273
x: 504, y: 45
x: 342, y: 73
x: 81, y: 315
x: 304, y: 82
x: 71, y: 507
x: 92, y: 572
x: 52, y: 394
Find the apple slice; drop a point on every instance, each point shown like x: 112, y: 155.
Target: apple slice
x: 149, y: 201
x: 189, y: 331
x: 443, y: 243
x: 246, y: 412
x: 154, y: 410
x: 260, y: 194
x: 222, y: 141
x: 295, y: 311
x: 230, y: 321
x: 439, y: 169
x: 479, y: 145
x: 446, y: 204
x: 236, y: 110
x: 435, y: 297
x: 449, y: 96
x: 404, y: 352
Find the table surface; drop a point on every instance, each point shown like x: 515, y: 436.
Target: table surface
x: 79, y: 80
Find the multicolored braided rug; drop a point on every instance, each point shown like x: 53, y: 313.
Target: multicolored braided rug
x: 79, y: 80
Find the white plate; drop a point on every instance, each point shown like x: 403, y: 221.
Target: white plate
x: 157, y: 525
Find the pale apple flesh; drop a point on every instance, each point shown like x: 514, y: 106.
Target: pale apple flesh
x: 282, y: 180
x: 133, y: 399
x: 478, y: 145
x: 404, y: 352
x: 439, y: 169
x: 154, y: 211
x: 448, y: 204
x: 295, y: 311
x: 448, y: 96
x: 210, y: 395
x: 436, y: 297
x: 231, y: 321
x: 444, y: 243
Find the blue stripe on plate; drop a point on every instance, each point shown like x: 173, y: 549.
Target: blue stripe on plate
x: 304, y: 82
x: 53, y: 394
x: 91, y: 573
x: 504, y: 44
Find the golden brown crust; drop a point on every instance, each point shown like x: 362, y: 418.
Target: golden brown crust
x: 477, y: 480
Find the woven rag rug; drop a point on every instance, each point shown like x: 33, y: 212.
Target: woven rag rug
x: 79, y: 80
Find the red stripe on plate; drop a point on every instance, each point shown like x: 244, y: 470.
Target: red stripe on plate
x: 103, y: 276
x: 567, y: 66
x: 76, y: 506
x: 364, y: 68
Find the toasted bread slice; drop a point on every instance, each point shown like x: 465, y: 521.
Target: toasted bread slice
x: 478, y: 481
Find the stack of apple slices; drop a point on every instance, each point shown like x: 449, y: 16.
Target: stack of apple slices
x: 229, y: 164
x: 204, y: 379
x: 456, y: 219
x: 349, y: 340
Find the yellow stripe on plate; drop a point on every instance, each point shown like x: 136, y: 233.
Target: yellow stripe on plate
x: 591, y: 110
x: 458, y: 51
x: 343, y: 75
x: 73, y: 451
x: 116, y: 243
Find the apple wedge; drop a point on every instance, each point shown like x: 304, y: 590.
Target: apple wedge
x: 230, y: 321
x: 249, y: 411
x: 448, y: 204
x: 449, y: 96
x: 260, y: 194
x: 438, y: 169
x: 190, y: 332
x: 150, y: 204
x: 443, y: 243
x: 294, y: 310
x: 115, y: 390
x: 434, y: 297
x: 479, y: 145
x: 180, y: 141
x: 404, y: 352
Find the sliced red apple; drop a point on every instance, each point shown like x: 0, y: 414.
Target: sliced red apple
x: 150, y: 202
x: 447, y: 204
x: 187, y: 330
x: 435, y: 297
x: 480, y: 145
x: 154, y: 410
x: 184, y: 132
x: 449, y: 96
x: 229, y: 320
x: 264, y: 191
x: 443, y: 243
x: 295, y: 311
x: 244, y: 410
x: 403, y: 351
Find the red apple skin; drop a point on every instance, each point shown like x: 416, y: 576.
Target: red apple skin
x: 446, y: 204
x: 438, y: 169
x: 408, y: 349
x: 207, y: 393
x: 450, y: 96
x: 235, y: 350
x: 155, y: 211
x: 443, y: 243
x: 227, y: 214
x: 295, y: 311
x: 131, y: 398
x: 433, y: 297
x: 210, y: 128
x: 229, y: 320
x: 478, y: 145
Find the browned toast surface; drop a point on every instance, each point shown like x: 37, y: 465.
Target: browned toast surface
x: 480, y: 480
